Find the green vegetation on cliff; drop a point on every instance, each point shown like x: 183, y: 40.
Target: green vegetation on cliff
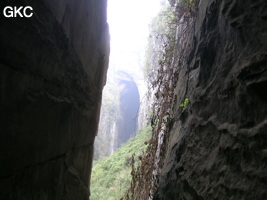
x: 111, y: 176
x: 161, y: 36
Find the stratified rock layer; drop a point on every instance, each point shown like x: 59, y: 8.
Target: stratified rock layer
x: 52, y: 70
x: 217, y: 149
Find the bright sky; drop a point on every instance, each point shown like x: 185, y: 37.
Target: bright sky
x: 128, y: 22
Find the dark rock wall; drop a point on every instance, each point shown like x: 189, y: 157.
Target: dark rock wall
x: 217, y: 149
x: 52, y: 70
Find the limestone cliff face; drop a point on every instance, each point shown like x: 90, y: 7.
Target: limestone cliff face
x: 52, y: 70
x: 216, y: 148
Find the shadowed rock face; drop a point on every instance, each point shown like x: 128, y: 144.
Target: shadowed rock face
x: 217, y: 149
x: 52, y: 70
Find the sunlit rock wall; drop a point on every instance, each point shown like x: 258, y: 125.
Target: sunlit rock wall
x: 217, y: 146
x: 52, y: 70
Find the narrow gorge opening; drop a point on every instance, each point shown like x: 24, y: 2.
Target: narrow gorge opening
x: 124, y: 107
x: 126, y: 85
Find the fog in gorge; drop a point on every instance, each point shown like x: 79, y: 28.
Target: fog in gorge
x: 125, y: 87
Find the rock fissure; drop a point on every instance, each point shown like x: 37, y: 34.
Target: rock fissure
x: 50, y: 160
x: 31, y: 166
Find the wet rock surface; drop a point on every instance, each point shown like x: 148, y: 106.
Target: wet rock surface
x: 217, y: 147
x: 53, y: 68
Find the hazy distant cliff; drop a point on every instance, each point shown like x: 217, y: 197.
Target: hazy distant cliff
x: 119, y: 114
